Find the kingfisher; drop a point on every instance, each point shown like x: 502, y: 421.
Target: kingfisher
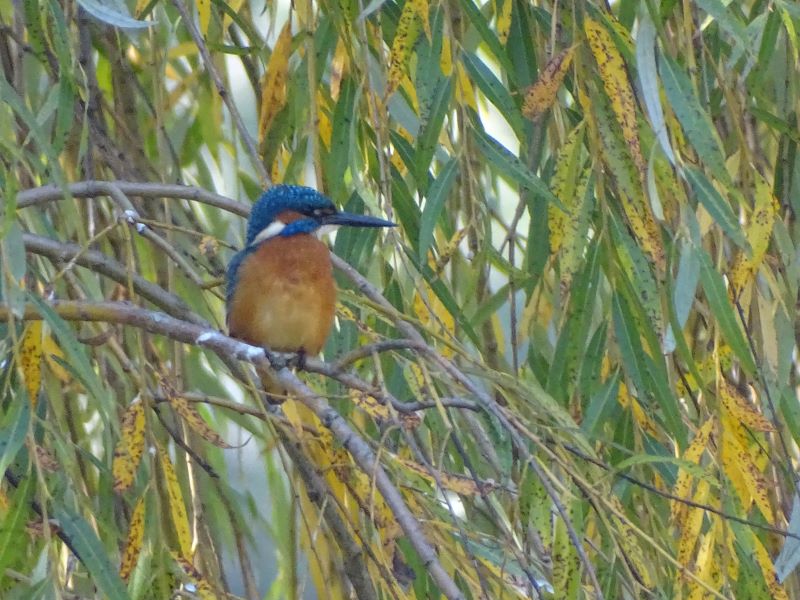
x: 280, y: 289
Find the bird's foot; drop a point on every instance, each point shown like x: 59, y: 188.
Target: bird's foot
x: 298, y: 361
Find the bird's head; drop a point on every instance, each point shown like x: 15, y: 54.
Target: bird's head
x: 286, y: 210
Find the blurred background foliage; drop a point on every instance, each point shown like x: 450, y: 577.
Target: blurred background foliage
x: 596, y: 240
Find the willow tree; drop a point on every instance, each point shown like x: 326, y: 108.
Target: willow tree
x: 569, y: 372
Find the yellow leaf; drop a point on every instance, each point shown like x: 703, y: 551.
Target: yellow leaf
x: 683, y: 483
x: 234, y: 6
x: 707, y: 369
x: 446, y: 58
x: 376, y: 507
x: 204, y: 12
x: 423, y: 12
x: 503, y: 9
x: 31, y: 359
x: 406, y: 34
x: 324, y: 126
x: 642, y: 419
x: 282, y: 157
x: 416, y: 379
x: 690, y: 531
x: 338, y: 68
x: 370, y: 405
x: 52, y: 351
x: 448, y: 250
x: 566, y: 565
x: 739, y: 467
x: 707, y: 568
x: 465, y: 93
x: 454, y: 483
x: 435, y: 318
x: 411, y: 91
x: 568, y: 228
x: 619, y: 91
x: 397, y: 159
x: 134, y: 544
x: 758, y: 233
x: 630, y: 547
x: 129, y: 448
x: 195, y: 421
x: 740, y: 409
x: 273, y: 83
x: 617, y: 86
x: 540, y: 96
x: 177, y: 508
x: 777, y: 591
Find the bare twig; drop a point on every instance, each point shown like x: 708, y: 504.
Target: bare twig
x: 366, y: 288
x: 61, y: 252
x: 91, y: 189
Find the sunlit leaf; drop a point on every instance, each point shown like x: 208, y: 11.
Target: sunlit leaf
x: 30, y: 358
x: 177, y: 508
x: 129, y: 448
x: 542, y: 94
x: 133, y: 545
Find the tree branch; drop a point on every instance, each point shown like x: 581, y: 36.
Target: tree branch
x: 189, y: 333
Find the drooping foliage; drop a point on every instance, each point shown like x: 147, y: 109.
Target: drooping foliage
x: 569, y: 372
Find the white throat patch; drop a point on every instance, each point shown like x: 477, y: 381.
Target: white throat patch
x: 270, y: 231
x: 325, y: 229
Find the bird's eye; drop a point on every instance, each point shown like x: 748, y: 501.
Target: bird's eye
x: 322, y: 212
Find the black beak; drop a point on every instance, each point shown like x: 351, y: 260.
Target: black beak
x: 354, y: 220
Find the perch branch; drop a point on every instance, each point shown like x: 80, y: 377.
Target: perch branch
x: 189, y: 333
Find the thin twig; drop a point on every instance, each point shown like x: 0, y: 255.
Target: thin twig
x: 249, y: 143
x: 489, y: 404
x: 62, y: 252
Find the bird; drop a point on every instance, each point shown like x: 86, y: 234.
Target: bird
x: 280, y: 293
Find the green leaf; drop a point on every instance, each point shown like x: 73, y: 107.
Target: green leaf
x: 9, y: 96
x: 13, y: 431
x: 727, y: 21
x: 684, y: 295
x: 495, y: 91
x: 434, y: 202
x: 693, y: 469
x: 716, y: 206
x: 13, y: 524
x: 721, y: 307
x: 603, y: 405
x: 648, y: 80
x: 693, y: 118
x: 626, y: 332
x: 91, y: 553
x: 430, y: 130
x: 13, y: 268
x: 113, y: 12
x: 343, y: 123
x: 481, y: 24
x: 638, y: 269
x: 510, y: 165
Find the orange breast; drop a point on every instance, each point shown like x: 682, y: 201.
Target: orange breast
x: 285, y: 296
